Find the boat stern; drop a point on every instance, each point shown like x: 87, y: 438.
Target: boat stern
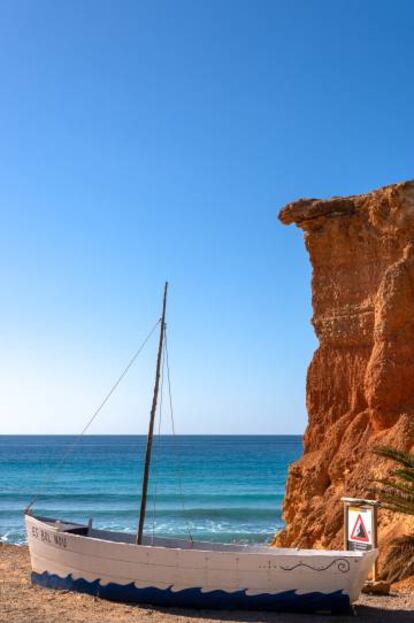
x: 366, y: 566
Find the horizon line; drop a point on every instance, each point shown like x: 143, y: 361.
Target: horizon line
x: 145, y: 435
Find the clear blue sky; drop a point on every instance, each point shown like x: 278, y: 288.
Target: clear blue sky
x: 149, y: 140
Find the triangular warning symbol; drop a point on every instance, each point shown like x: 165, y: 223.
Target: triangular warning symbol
x: 359, y: 531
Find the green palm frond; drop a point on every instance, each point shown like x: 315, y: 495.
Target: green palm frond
x: 396, y: 492
x: 405, y: 473
x: 396, y: 496
x: 396, y: 505
x: 404, y: 458
x: 399, y: 485
x: 399, y: 563
x: 404, y: 541
x: 397, y: 509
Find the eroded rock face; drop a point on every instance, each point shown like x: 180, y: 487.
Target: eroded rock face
x: 360, y: 383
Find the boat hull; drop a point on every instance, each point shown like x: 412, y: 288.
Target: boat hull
x: 176, y: 573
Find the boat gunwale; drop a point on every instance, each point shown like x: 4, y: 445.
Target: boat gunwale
x: 259, y: 550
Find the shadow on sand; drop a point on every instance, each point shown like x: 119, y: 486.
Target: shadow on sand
x: 378, y: 613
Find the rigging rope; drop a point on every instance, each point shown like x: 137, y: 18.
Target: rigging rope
x: 76, y: 441
x: 165, y: 367
x: 179, y: 470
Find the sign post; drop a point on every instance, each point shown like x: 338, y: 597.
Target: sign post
x: 360, y: 526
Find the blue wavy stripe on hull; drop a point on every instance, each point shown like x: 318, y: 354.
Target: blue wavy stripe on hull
x: 288, y: 601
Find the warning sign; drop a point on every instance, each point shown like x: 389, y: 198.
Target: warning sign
x: 360, y: 525
x: 359, y: 531
x: 360, y: 528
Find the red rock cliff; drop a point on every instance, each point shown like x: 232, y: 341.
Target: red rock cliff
x: 360, y: 383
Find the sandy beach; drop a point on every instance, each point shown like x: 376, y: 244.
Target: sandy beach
x: 20, y: 602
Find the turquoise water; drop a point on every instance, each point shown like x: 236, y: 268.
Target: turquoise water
x: 224, y: 488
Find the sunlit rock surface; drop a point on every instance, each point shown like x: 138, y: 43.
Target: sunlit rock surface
x: 360, y: 382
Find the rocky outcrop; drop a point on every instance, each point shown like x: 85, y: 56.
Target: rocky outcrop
x: 360, y: 383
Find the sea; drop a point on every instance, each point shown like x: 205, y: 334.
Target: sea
x: 217, y: 488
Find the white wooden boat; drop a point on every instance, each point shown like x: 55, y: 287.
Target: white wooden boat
x: 198, y: 575
x: 180, y: 573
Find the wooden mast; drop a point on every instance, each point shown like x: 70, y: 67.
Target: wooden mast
x: 151, y: 423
